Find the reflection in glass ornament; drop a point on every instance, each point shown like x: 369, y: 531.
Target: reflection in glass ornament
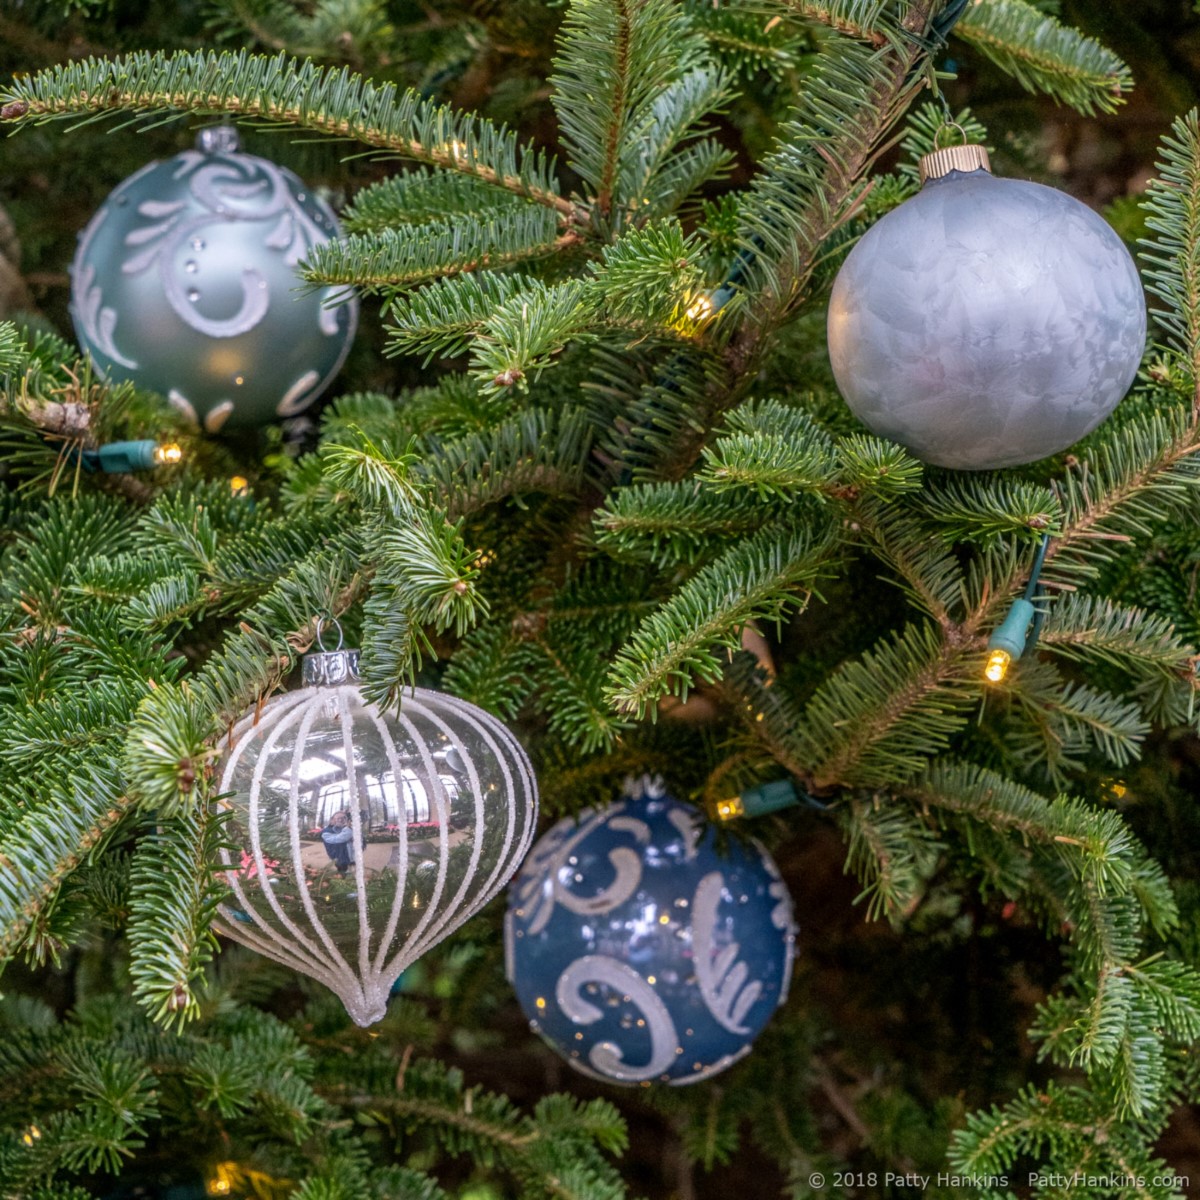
x: 641, y: 951
x: 367, y: 836
x: 188, y: 275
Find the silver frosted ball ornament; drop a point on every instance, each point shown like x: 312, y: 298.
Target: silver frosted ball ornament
x: 185, y: 283
x: 985, y: 322
x: 359, y: 837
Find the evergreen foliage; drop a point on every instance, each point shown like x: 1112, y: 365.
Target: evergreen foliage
x: 591, y: 510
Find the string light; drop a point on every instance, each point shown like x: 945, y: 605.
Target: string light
x: 1018, y: 631
x: 997, y: 666
x: 123, y: 458
x: 239, y: 485
x: 729, y: 810
x: 760, y: 800
x: 222, y: 1180
x: 701, y: 308
x: 31, y: 1135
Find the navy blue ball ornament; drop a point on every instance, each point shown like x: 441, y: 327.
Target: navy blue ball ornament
x: 639, y: 950
x: 185, y: 284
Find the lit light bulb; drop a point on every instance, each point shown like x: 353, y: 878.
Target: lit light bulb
x: 168, y: 454
x: 239, y: 485
x: 31, y: 1135
x: 221, y: 1183
x: 728, y: 810
x: 997, y: 666
x: 701, y: 308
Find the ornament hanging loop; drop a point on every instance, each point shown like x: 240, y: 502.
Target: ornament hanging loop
x: 322, y: 622
x: 949, y: 124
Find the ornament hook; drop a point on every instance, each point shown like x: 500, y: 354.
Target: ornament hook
x: 966, y: 141
x: 321, y: 623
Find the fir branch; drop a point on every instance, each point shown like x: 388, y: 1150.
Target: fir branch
x: 631, y: 82
x: 441, y: 320
x: 853, y: 18
x: 394, y: 258
x: 748, y: 44
x: 665, y: 523
x: 433, y: 573
x: 567, y: 666
x: 873, y: 466
x: 538, y: 451
x: 878, y: 720
x: 1095, y: 846
x: 753, y: 581
x: 1146, y: 471
x: 805, y: 188
x: 52, y: 840
x: 173, y: 900
x: 929, y: 574
x: 893, y: 854
x: 1083, y: 628
x: 522, y: 335
x: 772, y: 449
x: 1172, y: 207
x: 553, y: 1151
x: 417, y: 197
x: 281, y: 90
x: 986, y: 510
x: 1043, y: 55
x: 1071, y: 719
x: 327, y: 29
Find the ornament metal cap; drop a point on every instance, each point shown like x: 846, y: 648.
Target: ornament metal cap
x: 954, y: 158
x: 218, y: 139
x: 330, y: 668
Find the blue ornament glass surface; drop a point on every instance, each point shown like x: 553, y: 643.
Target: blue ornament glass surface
x: 986, y: 322
x: 639, y: 950
x: 185, y: 283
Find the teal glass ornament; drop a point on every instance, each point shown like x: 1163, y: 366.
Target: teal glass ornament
x: 185, y: 283
x: 985, y: 322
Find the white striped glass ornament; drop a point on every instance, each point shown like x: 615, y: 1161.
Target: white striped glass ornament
x: 367, y: 836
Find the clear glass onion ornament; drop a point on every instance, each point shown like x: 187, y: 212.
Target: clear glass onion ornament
x: 367, y: 836
x: 985, y: 322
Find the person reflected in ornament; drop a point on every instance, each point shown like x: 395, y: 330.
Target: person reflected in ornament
x: 338, y: 837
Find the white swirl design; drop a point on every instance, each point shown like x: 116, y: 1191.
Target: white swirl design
x: 182, y: 405
x: 721, y: 977
x: 607, y: 1057
x: 237, y: 188
x: 99, y: 323
x: 298, y: 395
x: 548, y: 869
x: 689, y: 830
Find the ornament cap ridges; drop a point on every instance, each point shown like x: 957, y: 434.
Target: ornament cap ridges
x: 330, y: 668
x: 938, y: 163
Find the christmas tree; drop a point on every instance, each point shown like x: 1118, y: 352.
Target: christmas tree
x: 586, y: 468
